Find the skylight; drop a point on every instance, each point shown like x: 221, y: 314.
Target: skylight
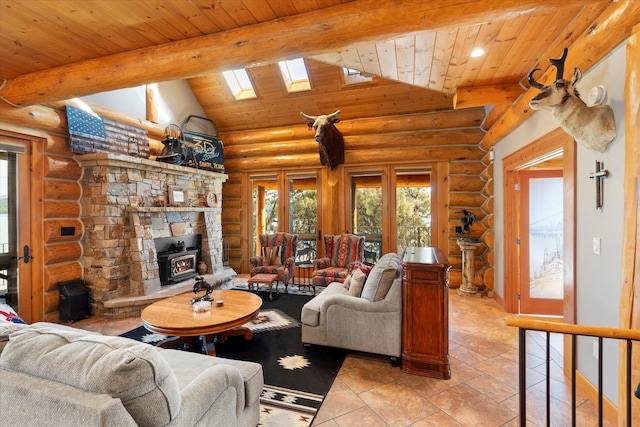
x: 239, y: 84
x: 352, y: 76
x: 294, y: 73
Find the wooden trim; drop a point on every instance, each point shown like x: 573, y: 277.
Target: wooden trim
x: 529, y: 155
x: 480, y: 96
x: 630, y: 287
x: 324, y: 31
x: 610, y: 29
x: 151, y: 101
x: 533, y: 323
x: 609, y: 409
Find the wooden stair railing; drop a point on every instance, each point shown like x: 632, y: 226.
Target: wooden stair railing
x: 600, y: 332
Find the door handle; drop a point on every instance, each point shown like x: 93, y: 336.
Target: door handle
x: 26, y: 255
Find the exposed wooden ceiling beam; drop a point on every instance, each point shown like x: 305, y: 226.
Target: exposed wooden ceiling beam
x: 610, y: 29
x: 323, y: 31
x: 479, y: 96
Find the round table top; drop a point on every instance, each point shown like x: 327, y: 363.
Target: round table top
x: 175, y: 316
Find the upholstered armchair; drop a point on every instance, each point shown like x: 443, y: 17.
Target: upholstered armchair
x: 278, y: 254
x: 361, y: 314
x: 341, y: 252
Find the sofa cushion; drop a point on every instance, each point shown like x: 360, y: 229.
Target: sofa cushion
x: 381, y: 277
x: 357, y: 283
x: 311, y: 310
x: 131, y: 371
x: 7, y: 329
x: 187, y: 366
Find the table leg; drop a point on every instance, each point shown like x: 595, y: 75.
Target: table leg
x: 197, y: 344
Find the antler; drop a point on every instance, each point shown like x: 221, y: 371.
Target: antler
x: 559, y: 64
x: 534, y: 83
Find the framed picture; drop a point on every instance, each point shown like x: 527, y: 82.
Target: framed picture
x: 178, y: 196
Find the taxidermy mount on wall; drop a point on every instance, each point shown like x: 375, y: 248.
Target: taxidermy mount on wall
x: 594, y: 127
x: 328, y: 137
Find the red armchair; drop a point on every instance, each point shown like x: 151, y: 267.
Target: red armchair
x: 278, y: 256
x: 341, y: 252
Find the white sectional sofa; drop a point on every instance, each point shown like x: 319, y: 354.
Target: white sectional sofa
x: 56, y: 375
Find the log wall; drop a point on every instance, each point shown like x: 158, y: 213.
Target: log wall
x: 410, y: 140
x: 55, y: 185
x: 449, y: 137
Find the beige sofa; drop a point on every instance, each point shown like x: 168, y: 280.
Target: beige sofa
x: 369, y: 320
x: 55, y: 375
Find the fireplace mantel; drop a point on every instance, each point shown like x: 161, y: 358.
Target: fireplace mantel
x: 124, y: 161
x: 163, y: 209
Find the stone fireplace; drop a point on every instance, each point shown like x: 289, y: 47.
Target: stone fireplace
x: 125, y: 209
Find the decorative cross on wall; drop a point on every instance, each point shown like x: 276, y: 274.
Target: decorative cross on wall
x: 598, y: 176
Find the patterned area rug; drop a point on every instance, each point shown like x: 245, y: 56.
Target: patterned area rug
x: 296, y: 380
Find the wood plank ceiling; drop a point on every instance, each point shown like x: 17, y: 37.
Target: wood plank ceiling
x: 416, y: 70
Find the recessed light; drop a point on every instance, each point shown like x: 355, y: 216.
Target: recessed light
x: 477, y: 52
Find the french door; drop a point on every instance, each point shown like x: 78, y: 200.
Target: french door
x: 15, y: 227
x: 541, y: 242
x: 288, y: 202
x: 391, y: 207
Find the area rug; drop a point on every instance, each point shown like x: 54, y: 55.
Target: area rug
x: 296, y: 380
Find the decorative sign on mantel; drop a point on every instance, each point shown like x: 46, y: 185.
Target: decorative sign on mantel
x: 91, y: 133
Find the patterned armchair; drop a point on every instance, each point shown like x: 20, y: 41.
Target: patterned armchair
x: 342, y: 252
x: 274, y: 246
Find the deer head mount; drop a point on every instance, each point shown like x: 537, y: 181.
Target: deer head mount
x: 594, y: 127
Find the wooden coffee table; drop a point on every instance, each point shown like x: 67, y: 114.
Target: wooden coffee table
x: 265, y: 278
x: 175, y: 317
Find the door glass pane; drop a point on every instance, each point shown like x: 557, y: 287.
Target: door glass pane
x: 265, y: 208
x: 8, y: 231
x: 303, y: 216
x: 367, y: 214
x: 413, y: 211
x: 545, y: 238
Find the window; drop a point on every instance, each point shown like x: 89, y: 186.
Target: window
x: 294, y: 73
x: 265, y: 207
x: 240, y: 84
x: 352, y: 76
x: 303, y: 215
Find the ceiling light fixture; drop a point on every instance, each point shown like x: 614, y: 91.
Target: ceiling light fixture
x: 477, y: 52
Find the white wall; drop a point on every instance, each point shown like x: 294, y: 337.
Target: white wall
x: 599, y: 277
x: 176, y: 102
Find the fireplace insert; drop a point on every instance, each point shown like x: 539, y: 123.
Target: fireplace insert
x: 178, y: 258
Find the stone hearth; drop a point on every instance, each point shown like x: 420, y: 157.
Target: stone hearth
x: 125, y: 206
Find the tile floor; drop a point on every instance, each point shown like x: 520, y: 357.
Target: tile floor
x: 483, y: 390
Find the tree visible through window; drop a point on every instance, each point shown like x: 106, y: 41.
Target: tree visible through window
x: 413, y: 217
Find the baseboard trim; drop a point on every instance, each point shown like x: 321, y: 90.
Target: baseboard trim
x: 608, y: 407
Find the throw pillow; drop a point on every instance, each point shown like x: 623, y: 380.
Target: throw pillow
x: 380, y: 279
x: 347, y: 282
x: 8, y: 314
x: 357, y: 282
x: 366, y: 269
x: 271, y: 255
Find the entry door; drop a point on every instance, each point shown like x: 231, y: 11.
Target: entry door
x: 15, y: 227
x: 541, y: 242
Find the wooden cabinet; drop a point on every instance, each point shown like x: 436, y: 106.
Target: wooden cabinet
x: 425, y: 313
